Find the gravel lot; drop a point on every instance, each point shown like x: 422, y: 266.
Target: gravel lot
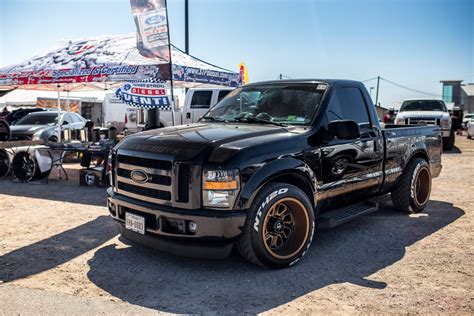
x: 60, y: 253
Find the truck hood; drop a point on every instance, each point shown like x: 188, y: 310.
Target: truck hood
x: 203, y: 142
x: 422, y: 114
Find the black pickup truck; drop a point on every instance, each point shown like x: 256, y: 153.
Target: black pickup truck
x: 264, y: 168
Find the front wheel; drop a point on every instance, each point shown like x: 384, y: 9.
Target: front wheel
x: 413, y: 189
x: 279, y: 228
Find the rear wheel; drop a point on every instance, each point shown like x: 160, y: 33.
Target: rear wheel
x: 413, y: 189
x: 280, y: 227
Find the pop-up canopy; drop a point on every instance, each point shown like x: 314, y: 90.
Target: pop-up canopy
x: 106, y: 62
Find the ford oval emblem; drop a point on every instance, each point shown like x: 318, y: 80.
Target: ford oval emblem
x: 139, y: 176
x: 154, y: 20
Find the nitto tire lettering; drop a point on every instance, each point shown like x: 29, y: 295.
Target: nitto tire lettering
x: 270, y: 197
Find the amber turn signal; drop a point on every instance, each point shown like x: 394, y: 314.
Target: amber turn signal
x: 220, y: 185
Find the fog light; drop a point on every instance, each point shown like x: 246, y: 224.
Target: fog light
x: 192, y: 226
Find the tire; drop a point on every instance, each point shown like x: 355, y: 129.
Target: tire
x: 469, y: 136
x: 284, y: 214
x: 448, y: 143
x: 413, y: 189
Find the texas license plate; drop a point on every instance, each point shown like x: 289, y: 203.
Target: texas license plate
x: 135, y: 223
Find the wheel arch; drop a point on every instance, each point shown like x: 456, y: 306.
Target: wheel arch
x: 286, y: 170
x: 420, y: 153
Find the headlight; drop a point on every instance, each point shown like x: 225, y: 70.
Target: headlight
x: 220, y: 187
x: 445, y: 123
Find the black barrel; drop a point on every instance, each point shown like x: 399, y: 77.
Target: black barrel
x: 4, y: 163
x: 4, y: 131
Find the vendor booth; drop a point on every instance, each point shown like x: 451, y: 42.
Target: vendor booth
x: 108, y: 63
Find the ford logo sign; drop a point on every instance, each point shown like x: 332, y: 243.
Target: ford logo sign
x: 139, y: 176
x: 156, y: 19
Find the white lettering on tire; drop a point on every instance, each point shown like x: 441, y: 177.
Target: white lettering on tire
x: 270, y: 197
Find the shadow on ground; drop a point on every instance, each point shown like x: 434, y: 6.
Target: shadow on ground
x: 56, y: 250
x: 56, y: 190
x: 349, y: 253
x: 455, y: 150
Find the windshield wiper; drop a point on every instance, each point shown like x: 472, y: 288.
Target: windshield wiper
x: 214, y: 119
x: 254, y: 119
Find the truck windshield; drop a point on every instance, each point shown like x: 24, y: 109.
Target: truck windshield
x: 289, y: 104
x: 423, y: 105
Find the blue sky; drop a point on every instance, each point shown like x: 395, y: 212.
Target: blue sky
x: 415, y: 43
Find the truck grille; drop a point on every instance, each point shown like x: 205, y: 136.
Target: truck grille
x: 422, y: 121
x: 166, y: 182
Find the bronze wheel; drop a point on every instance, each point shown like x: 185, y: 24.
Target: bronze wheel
x: 280, y: 227
x: 422, y: 186
x: 285, y: 228
x: 412, y: 191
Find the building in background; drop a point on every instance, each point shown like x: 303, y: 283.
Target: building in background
x: 459, y: 94
x: 468, y: 97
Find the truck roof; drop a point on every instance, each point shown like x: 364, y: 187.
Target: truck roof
x: 423, y: 99
x: 327, y: 81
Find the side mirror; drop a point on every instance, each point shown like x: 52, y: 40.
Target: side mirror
x: 65, y: 123
x: 344, y: 129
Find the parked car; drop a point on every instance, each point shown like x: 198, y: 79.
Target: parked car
x: 43, y: 125
x: 468, y: 117
x: 264, y: 168
x: 427, y: 112
x: 18, y: 114
x: 470, y: 128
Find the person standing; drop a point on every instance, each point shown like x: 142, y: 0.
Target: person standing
x: 5, y: 112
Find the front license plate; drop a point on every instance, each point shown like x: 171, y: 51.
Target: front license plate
x: 135, y: 223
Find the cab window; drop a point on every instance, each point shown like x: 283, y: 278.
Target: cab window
x: 222, y: 95
x: 201, y: 99
x: 348, y: 104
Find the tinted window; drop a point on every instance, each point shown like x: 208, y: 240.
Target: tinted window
x: 348, y: 104
x: 201, y: 99
x: 39, y: 119
x: 222, y: 94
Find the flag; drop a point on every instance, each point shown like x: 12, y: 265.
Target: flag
x: 151, y: 19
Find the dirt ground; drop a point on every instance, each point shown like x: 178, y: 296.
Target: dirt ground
x: 59, y: 248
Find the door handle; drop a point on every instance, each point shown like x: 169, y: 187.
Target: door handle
x: 188, y: 115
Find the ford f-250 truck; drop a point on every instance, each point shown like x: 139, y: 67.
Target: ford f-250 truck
x: 264, y: 168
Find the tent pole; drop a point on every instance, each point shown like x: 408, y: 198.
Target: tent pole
x: 171, y: 65
x: 67, y: 101
x: 59, y: 114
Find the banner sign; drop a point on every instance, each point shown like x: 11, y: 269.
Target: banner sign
x: 200, y: 75
x: 145, y: 94
x: 152, y: 28
x: 111, y: 60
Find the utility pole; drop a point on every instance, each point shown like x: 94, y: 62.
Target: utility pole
x: 377, y: 92
x: 186, y: 26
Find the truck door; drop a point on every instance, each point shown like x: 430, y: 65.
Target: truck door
x: 200, y: 103
x: 351, y: 165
